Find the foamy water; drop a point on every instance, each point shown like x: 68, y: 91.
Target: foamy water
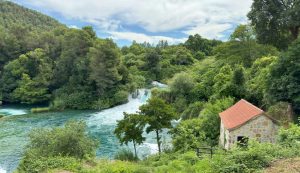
x: 2, y: 170
x: 11, y: 111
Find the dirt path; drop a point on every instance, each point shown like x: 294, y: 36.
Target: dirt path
x: 285, y: 166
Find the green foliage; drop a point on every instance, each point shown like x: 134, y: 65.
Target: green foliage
x: 290, y: 136
x: 182, y: 57
x: 188, y: 135
x: 196, y: 43
x: 192, y: 111
x: 182, y: 84
x: 28, y: 78
x: 276, y: 22
x: 281, y: 112
x: 125, y: 155
x: 121, y: 97
x: 211, y: 119
x: 11, y: 13
x: 152, y: 65
x: 104, y: 59
x: 258, y: 76
x: 283, y: 84
x: 44, y: 164
x: 243, y: 48
x: 130, y: 129
x: 158, y: 115
x: 70, y: 140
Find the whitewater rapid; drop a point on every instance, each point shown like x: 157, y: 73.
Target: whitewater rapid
x: 100, y: 125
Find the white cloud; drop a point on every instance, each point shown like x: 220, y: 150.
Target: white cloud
x: 207, y: 17
x: 141, y: 38
x: 74, y: 26
x: 209, y: 30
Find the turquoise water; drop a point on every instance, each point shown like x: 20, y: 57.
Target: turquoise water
x: 14, y: 129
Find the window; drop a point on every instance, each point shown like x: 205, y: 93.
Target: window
x: 242, y: 141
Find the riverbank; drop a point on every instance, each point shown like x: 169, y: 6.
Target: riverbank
x: 101, y: 124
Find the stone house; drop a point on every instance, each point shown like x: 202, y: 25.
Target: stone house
x: 242, y: 121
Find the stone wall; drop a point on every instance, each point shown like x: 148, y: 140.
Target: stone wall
x: 261, y: 128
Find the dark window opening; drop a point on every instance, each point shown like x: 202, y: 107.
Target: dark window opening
x: 242, y: 141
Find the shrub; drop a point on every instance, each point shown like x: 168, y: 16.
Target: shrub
x: 290, y: 136
x: 125, y: 155
x: 70, y: 140
x: 43, y: 164
x: 120, y: 97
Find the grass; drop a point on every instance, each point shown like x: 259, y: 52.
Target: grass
x: 291, y: 165
x: 39, y: 110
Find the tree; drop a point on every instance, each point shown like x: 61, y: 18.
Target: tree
x: 27, y: 78
x: 283, y: 84
x: 188, y: 135
x: 243, y: 48
x: 196, y: 43
x: 211, y: 119
x: 71, y: 68
x: 258, y: 75
x: 104, y: 59
x: 130, y: 129
x: 158, y: 115
x: 182, y: 84
x: 182, y: 57
x: 70, y: 140
x: 276, y: 22
x: 31, y: 91
x: 152, y: 59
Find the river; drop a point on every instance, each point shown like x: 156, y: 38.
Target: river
x: 14, y: 129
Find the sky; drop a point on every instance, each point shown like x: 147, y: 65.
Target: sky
x: 148, y: 20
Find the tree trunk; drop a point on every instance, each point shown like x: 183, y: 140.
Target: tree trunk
x: 158, y: 141
x: 134, y: 145
x: 295, y: 32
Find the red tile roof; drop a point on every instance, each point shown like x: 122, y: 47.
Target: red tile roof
x: 239, y: 113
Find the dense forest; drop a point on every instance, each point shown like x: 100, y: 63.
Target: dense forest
x: 45, y: 62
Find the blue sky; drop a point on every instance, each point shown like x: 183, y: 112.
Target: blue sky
x: 148, y: 20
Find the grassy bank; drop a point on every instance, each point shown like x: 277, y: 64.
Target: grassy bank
x: 255, y: 158
x: 40, y: 110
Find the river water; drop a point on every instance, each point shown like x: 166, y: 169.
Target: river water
x: 14, y: 129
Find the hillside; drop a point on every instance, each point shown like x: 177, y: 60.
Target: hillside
x: 14, y: 14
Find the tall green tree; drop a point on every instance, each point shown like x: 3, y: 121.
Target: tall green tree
x: 211, y: 119
x: 27, y: 78
x: 130, y: 129
x: 152, y: 59
x: 196, y: 44
x: 188, y: 135
x: 284, y: 81
x: 104, y: 59
x: 158, y: 115
x: 276, y: 22
x: 242, y: 48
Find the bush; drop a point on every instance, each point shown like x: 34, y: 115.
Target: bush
x: 1, y: 116
x: 70, y: 140
x: 290, y: 136
x: 43, y: 164
x: 39, y: 110
x: 125, y: 155
x: 120, y: 97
